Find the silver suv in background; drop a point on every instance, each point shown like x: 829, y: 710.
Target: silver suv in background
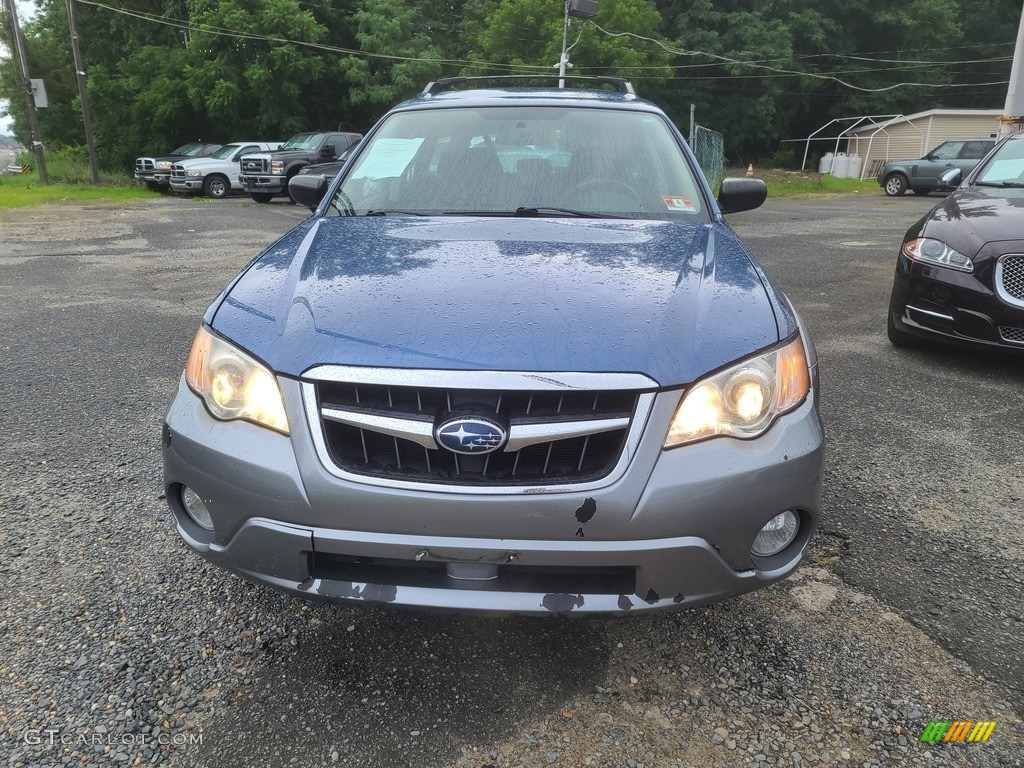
x: 216, y: 175
x: 922, y: 176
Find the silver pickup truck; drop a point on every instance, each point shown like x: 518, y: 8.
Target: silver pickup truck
x: 216, y: 175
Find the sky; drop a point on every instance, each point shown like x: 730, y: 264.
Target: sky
x: 26, y: 9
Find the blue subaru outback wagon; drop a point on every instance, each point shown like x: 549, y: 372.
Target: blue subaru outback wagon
x: 516, y: 362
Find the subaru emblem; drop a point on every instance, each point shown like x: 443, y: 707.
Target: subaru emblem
x: 470, y: 435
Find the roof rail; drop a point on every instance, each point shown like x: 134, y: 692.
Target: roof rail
x: 448, y: 83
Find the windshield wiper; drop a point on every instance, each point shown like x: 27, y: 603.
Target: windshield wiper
x: 548, y: 211
x: 542, y: 211
x: 389, y: 212
x: 1001, y: 184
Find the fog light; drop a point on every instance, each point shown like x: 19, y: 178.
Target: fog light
x: 196, y: 508
x: 777, y: 534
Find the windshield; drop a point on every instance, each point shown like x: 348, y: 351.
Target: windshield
x: 303, y: 141
x: 187, y: 149
x: 1006, y: 166
x: 509, y: 160
x: 225, y: 151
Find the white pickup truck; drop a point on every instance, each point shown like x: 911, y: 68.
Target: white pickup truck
x: 216, y: 175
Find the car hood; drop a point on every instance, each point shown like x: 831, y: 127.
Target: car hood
x: 973, y: 216
x: 669, y: 300
x: 290, y: 154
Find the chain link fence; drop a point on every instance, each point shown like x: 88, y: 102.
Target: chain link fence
x: 709, y: 148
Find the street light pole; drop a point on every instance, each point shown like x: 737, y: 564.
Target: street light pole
x: 562, y: 62
x: 33, y: 121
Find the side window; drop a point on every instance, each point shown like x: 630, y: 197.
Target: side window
x: 948, y: 151
x: 340, y: 142
x: 974, y: 150
x: 245, y: 151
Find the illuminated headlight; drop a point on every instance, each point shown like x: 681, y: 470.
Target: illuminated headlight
x: 163, y: 165
x: 193, y: 172
x: 744, y: 400
x: 232, y: 384
x: 929, y: 251
x: 277, y: 166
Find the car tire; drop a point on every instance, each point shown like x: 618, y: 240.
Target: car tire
x: 895, y: 185
x: 262, y: 197
x: 897, y: 338
x: 288, y: 191
x: 216, y: 186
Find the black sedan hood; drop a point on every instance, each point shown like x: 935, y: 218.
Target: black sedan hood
x: 973, y: 216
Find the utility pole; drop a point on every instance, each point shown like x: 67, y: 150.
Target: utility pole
x: 33, y: 121
x: 83, y: 94
x: 583, y: 9
x: 1014, y: 108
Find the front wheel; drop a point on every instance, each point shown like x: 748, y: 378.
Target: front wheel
x: 262, y: 197
x: 895, y: 185
x: 215, y: 186
x: 896, y: 337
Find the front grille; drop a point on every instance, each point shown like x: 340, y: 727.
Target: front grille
x: 178, y: 171
x: 1010, y: 278
x: 381, y: 453
x: 1012, y: 335
x: 144, y: 164
x: 253, y: 165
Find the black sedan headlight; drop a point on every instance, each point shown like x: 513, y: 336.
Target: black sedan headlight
x: 927, y: 250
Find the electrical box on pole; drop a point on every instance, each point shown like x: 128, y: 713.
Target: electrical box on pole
x: 583, y: 9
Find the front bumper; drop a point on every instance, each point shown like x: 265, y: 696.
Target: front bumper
x: 958, y: 308
x: 675, y: 530
x: 263, y: 183
x: 188, y: 184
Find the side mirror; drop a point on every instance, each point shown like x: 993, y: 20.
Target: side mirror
x: 951, y: 178
x: 327, y: 150
x: 741, y: 194
x: 308, y: 190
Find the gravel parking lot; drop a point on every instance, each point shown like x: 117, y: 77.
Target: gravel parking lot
x: 117, y: 646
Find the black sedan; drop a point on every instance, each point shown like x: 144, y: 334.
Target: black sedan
x: 960, y: 272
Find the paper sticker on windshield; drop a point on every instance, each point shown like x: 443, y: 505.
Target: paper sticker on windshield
x: 387, y: 158
x: 683, y: 204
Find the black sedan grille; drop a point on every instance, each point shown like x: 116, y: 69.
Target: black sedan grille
x: 572, y: 460
x: 1012, y: 276
x: 1011, y: 335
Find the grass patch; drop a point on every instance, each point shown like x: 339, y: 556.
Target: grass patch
x: 808, y: 184
x: 23, y: 191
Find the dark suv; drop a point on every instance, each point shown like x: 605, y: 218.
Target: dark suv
x: 516, y: 362
x: 266, y: 174
x: 922, y: 176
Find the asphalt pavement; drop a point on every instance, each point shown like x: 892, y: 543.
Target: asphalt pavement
x: 118, y: 646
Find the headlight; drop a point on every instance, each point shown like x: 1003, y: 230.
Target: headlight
x: 194, y: 172
x: 163, y: 165
x: 743, y: 400
x: 232, y: 384
x: 929, y: 251
x: 277, y: 166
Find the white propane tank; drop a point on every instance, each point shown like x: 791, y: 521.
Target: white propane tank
x: 854, y: 164
x: 825, y: 164
x: 840, y: 164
